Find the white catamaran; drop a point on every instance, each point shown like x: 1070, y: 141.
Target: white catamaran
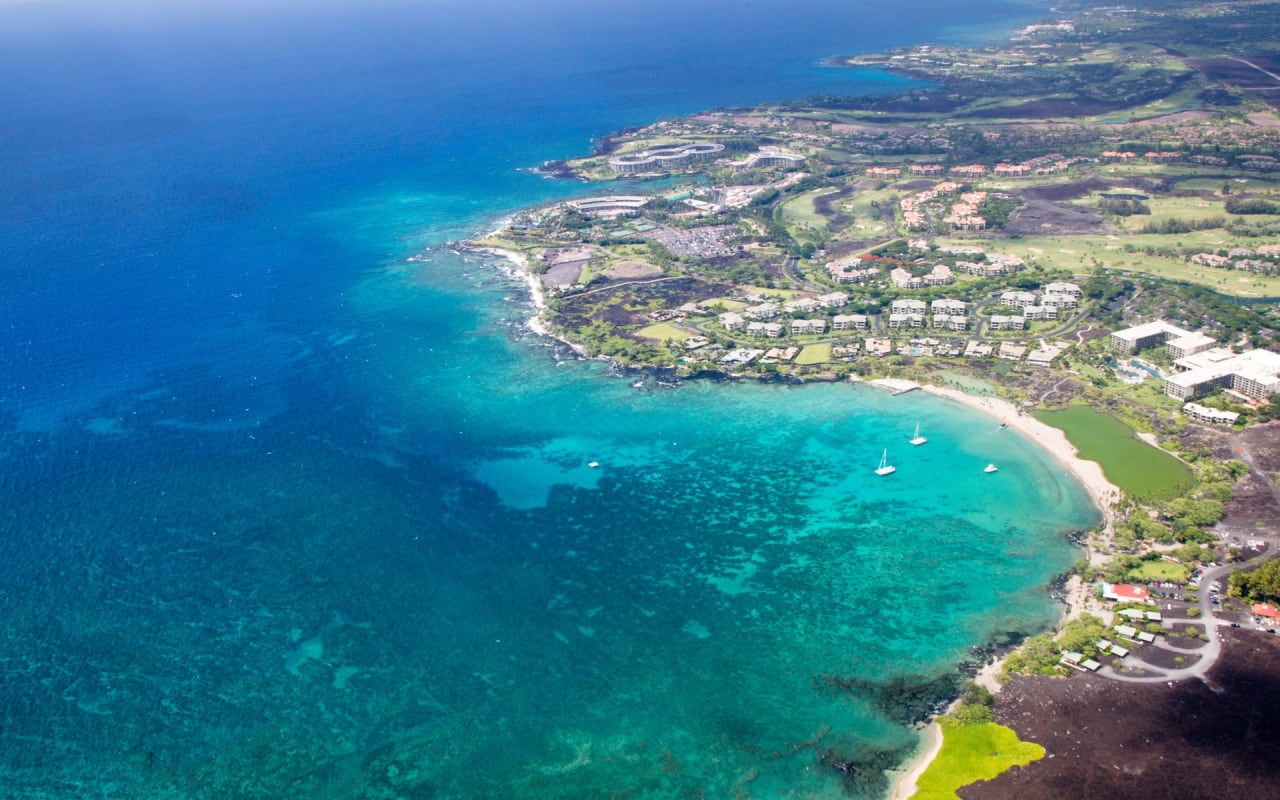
x: 885, y: 467
x: 918, y: 439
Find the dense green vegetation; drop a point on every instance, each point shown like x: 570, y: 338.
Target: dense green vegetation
x: 1141, y: 471
x: 1261, y: 585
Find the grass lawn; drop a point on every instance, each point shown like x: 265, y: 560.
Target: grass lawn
x: 664, y: 331
x: 1158, y: 571
x: 798, y: 215
x: 1131, y: 464
x: 814, y: 354
x: 1241, y: 184
x: 1166, y: 208
x: 973, y: 753
x: 725, y: 303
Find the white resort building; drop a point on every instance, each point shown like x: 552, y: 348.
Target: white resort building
x: 847, y: 322
x: 1150, y: 334
x: 661, y: 159
x: 769, y: 156
x: 610, y: 206
x: 850, y: 270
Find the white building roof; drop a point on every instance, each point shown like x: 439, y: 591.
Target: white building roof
x: 1259, y: 366
x: 1191, y: 341
x: 1151, y: 329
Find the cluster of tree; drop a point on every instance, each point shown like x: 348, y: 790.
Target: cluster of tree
x: 766, y: 197
x: 1106, y: 288
x: 1175, y: 225
x: 1193, y: 304
x: 897, y: 248
x: 1261, y: 585
x: 1271, y: 410
x: 1253, y: 229
x: 1122, y: 208
x: 1181, y: 520
x: 975, y: 704
x: 1039, y: 655
x: 1251, y: 205
x: 996, y: 210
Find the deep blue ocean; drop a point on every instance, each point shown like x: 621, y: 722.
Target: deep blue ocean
x: 284, y: 514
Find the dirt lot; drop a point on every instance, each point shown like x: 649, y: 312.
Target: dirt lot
x: 1248, y: 74
x: 632, y: 270
x: 1256, y: 501
x: 1118, y: 741
x: 1038, y: 217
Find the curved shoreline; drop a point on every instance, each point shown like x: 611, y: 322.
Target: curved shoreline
x: 1052, y: 440
x: 1055, y: 442
x: 905, y: 785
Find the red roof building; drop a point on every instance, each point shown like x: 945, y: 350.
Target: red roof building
x: 1126, y: 593
x: 1266, y: 611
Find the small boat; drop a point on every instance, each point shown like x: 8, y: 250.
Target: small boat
x: 918, y: 439
x: 885, y: 467
x: 593, y: 464
x: 1003, y: 425
x: 991, y: 468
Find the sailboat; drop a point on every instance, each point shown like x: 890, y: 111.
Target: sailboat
x: 918, y: 439
x: 991, y: 468
x: 885, y: 467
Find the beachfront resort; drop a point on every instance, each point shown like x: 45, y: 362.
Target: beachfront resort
x: 1103, y: 284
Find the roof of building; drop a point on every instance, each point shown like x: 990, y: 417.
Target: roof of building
x: 1261, y: 366
x: 1192, y: 340
x: 1265, y: 610
x: 1125, y: 591
x: 1151, y: 329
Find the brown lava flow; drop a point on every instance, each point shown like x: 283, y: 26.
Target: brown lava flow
x: 1119, y: 740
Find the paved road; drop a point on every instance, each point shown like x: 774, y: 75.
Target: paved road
x: 1210, y: 651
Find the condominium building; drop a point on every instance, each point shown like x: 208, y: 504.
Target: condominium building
x: 945, y: 306
x: 1000, y: 322
x: 908, y: 306
x: 1017, y: 299
x: 846, y: 322
x: 665, y: 158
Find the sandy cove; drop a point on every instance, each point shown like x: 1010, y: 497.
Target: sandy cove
x: 905, y: 785
x: 520, y: 269
x: 1054, y: 441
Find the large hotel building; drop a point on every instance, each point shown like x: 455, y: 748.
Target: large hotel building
x: 1201, y: 367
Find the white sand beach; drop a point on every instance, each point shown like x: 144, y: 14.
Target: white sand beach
x: 904, y: 786
x: 1104, y: 493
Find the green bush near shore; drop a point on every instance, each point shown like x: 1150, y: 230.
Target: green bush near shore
x: 1140, y: 470
x: 971, y: 753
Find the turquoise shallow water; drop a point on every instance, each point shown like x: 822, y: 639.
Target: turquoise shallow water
x: 283, y: 514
